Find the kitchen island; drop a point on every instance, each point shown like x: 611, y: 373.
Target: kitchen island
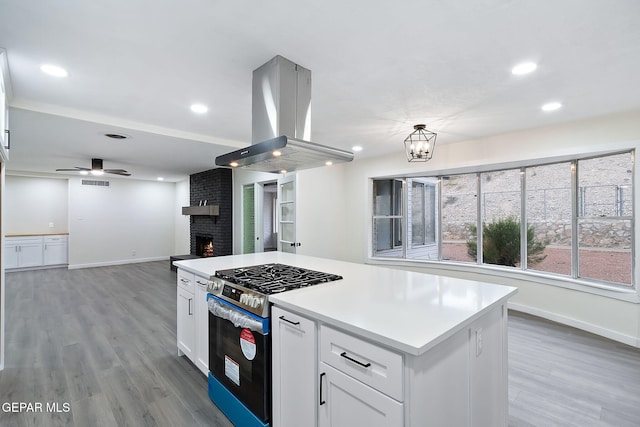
x: 383, y: 346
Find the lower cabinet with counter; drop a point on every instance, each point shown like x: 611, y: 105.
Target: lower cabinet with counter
x: 31, y: 251
x: 192, y: 329
x: 324, y: 376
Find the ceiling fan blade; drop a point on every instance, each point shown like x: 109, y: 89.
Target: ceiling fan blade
x: 117, y: 172
x: 73, y: 170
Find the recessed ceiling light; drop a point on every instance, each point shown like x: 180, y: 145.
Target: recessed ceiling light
x: 328, y: 163
x: 551, y: 106
x: 199, y: 108
x: 54, y: 70
x: 283, y: 171
x: 356, y: 148
x: 524, y: 68
x: 160, y: 178
x: 233, y: 164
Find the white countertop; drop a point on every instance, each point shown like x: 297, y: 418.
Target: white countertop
x: 407, y: 311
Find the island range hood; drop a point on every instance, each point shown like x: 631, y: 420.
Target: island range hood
x: 281, y: 127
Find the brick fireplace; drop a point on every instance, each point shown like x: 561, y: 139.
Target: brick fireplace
x: 215, y: 187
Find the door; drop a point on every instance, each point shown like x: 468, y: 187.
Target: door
x: 345, y: 402
x: 186, y: 323
x: 248, y: 219
x: 294, y: 370
x: 287, y: 214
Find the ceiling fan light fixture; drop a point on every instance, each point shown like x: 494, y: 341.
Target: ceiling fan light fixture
x: 420, y: 143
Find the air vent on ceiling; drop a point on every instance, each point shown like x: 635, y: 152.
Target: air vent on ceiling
x: 95, y: 183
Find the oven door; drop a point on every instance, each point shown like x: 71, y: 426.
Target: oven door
x: 240, y: 355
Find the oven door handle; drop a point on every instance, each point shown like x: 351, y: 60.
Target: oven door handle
x: 238, y: 318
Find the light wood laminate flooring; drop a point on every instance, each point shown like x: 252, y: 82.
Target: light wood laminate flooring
x: 103, y: 341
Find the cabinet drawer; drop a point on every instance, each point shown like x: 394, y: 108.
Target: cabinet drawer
x: 369, y: 363
x: 186, y: 281
x: 55, y: 239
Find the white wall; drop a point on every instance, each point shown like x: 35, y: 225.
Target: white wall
x: 182, y: 231
x: 32, y: 204
x: 610, y: 317
x: 129, y: 221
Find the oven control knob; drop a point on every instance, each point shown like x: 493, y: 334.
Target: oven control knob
x: 215, y: 285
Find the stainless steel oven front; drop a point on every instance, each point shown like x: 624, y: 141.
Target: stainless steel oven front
x: 239, y: 363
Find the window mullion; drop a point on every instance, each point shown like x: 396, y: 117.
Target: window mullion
x: 574, y: 219
x: 524, y: 226
x: 479, y: 218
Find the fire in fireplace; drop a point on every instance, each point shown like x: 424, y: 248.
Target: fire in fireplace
x: 204, y: 246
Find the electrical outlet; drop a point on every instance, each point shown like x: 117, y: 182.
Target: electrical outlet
x: 51, y: 225
x: 478, y: 342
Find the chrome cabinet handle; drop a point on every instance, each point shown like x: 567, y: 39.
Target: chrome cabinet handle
x: 364, y: 365
x: 190, y: 312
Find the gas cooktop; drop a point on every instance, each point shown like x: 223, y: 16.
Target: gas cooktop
x: 273, y: 278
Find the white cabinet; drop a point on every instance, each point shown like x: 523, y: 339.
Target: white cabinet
x: 22, y: 252
x: 185, y: 330
x: 361, y: 383
x: 193, y: 319
x: 35, y: 251
x: 344, y: 401
x: 352, y: 380
x: 55, y: 250
x: 201, y: 325
x: 294, y: 369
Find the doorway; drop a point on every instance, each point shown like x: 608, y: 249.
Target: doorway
x: 260, y: 217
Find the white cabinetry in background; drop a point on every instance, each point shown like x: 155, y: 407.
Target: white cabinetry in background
x: 193, y: 319
x: 23, y: 252
x: 185, y: 329
x: 294, y: 369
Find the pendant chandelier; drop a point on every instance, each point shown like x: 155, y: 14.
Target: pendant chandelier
x: 420, y: 144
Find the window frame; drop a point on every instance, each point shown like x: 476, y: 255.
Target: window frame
x: 628, y: 292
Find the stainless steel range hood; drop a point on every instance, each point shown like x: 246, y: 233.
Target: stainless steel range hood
x: 281, y: 127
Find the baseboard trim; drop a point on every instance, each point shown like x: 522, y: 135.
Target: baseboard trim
x: 117, y: 262
x: 579, y: 324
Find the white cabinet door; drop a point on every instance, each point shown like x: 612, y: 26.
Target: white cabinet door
x: 55, y: 250
x: 11, y: 255
x: 185, y: 329
x: 346, y: 402
x: 30, y: 255
x: 201, y: 325
x: 293, y: 370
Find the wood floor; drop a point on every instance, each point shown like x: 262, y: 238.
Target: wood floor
x: 103, y: 341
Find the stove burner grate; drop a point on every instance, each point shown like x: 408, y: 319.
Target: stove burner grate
x: 274, y: 278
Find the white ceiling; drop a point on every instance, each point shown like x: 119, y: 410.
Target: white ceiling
x: 378, y: 68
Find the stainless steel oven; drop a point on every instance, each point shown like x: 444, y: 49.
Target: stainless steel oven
x: 240, y: 360
x: 240, y: 340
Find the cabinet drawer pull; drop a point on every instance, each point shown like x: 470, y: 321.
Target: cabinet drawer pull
x: 185, y: 280
x: 289, y: 321
x: 322, y: 402
x: 364, y: 365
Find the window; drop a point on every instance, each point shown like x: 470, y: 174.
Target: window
x: 572, y: 219
x: 548, y: 207
x: 605, y: 218
x: 459, y: 216
x: 387, y: 217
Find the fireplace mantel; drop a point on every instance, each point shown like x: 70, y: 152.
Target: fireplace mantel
x: 210, y: 210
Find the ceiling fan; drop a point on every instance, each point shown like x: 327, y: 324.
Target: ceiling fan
x: 96, y: 169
